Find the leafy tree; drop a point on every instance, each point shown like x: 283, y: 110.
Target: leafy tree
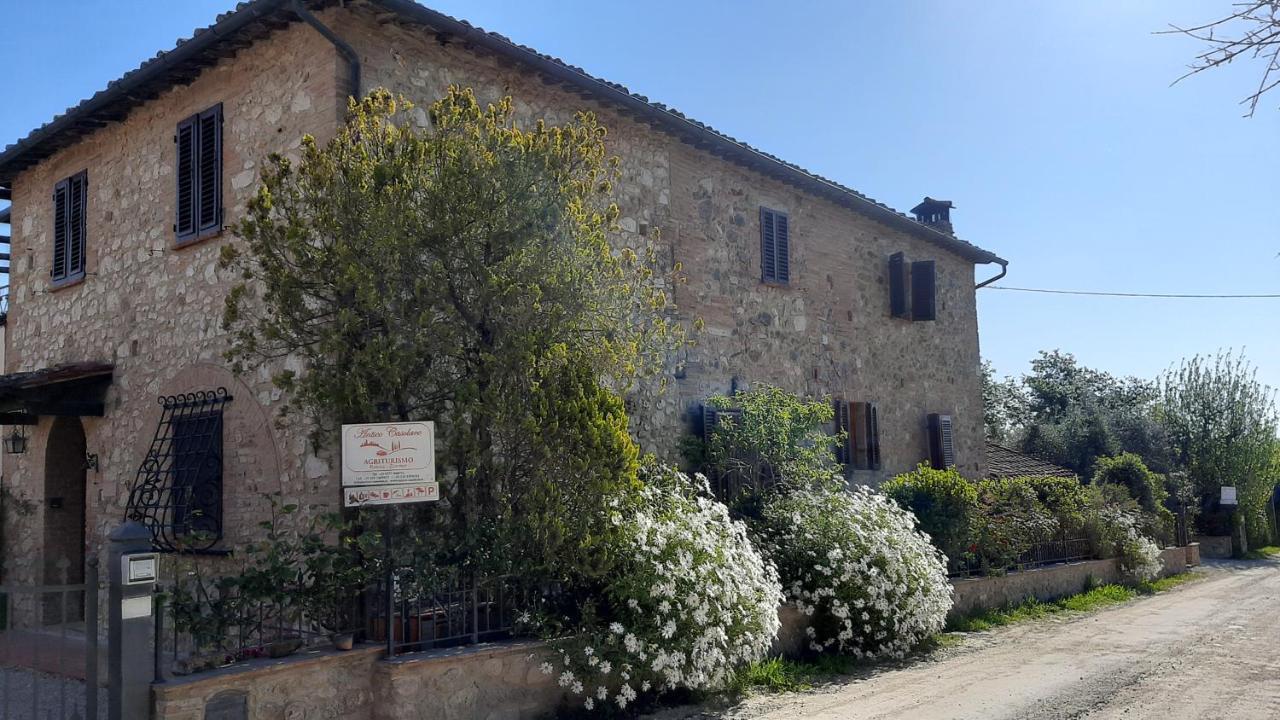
x: 1077, y: 414
x: 778, y: 439
x: 454, y: 273
x: 1004, y: 404
x: 1222, y: 425
x: 1145, y: 487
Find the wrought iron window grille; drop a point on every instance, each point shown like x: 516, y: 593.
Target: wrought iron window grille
x: 177, y: 493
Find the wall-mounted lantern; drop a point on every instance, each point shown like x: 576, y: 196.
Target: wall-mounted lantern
x: 91, y: 461
x: 15, y: 443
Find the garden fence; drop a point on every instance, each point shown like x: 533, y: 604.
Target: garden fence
x: 459, y: 609
x: 1050, y: 552
x: 199, y: 626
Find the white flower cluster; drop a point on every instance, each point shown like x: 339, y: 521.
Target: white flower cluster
x: 853, y: 561
x: 693, y: 601
x: 1139, y: 555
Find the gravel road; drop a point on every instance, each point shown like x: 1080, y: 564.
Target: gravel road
x: 1208, y: 650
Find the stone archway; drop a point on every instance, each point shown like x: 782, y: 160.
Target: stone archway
x: 65, y: 493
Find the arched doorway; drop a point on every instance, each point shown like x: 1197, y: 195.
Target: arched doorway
x: 64, y: 516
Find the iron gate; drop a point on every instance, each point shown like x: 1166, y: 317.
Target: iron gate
x: 49, y: 648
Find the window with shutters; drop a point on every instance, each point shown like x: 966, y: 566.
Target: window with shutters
x: 70, y: 204
x: 775, y: 247
x: 198, y: 202
x: 898, y: 286
x: 942, y: 453
x: 860, y: 421
x: 924, y: 294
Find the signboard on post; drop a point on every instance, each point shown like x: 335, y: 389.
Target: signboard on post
x: 389, y: 463
x: 1228, y: 495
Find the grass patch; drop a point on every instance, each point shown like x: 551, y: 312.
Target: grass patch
x: 1093, y: 599
x: 778, y: 675
x: 1263, y: 553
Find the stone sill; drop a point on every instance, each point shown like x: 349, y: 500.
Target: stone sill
x: 302, y: 658
x: 488, y: 650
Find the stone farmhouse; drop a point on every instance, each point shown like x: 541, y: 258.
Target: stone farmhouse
x: 113, y: 373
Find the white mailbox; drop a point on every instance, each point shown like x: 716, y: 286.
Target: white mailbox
x: 139, y: 568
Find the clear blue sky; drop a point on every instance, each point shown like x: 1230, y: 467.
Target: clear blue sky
x: 1052, y: 127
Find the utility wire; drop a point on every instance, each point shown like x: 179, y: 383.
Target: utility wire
x: 1133, y: 295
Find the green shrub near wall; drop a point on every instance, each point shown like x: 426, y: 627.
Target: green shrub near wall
x: 944, y: 504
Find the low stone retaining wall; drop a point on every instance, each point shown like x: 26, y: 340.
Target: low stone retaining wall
x: 1048, y: 583
x: 1214, y: 546
x: 470, y: 683
x: 315, y: 684
x: 1193, y: 554
x: 502, y: 680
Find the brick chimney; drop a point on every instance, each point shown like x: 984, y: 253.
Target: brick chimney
x: 934, y: 213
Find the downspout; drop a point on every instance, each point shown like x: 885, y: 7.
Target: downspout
x: 1004, y: 268
x: 344, y: 48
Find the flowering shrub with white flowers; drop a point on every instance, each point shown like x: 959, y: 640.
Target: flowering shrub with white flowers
x: 854, y: 562
x: 1139, y: 555
x: 690, y: 601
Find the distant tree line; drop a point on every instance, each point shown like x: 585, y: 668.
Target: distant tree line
x: 1206, y: 423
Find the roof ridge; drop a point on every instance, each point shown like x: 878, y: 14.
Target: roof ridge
x: 247, y: 13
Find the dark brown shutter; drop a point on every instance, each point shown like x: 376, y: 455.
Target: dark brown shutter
x: 768, y: 247
x: 858, y: 432
x: 873, y: 437
x: 209, y: 178
x: 60, y: 231
x: 942, y: 452
x: 897, y: 285
x: 185, y: 139
x: 77, y: 197
x: 923, y: 294
x: 844, y: 449
x: 783, y: 247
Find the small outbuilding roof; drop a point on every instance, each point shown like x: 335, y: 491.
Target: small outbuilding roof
x: 1007, y: 462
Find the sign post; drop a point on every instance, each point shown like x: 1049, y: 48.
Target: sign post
x: 389, y: 463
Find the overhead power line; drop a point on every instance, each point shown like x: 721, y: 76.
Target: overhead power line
x: 1193, y: 296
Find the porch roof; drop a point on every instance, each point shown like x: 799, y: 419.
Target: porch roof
x: 68, y: 389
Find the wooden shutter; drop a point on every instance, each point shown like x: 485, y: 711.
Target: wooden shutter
x: 873, y: 436
x: 77, y: 200
x: 858, y: 433
x: 783, y: 247
x: 768, y: 247
x: 60, y: 203
x: 923, y: 293
x: 897, y: 285
x: 209, y: 178
x: 843, y: 416
x: 198, y: 198
x: 185, y: 139
x: 942, y: 452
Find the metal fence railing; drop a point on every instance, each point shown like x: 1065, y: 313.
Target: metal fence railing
x: 458, y: 610
x: 1050, y: 552
x: 49, y: 645
x: 198, y: 627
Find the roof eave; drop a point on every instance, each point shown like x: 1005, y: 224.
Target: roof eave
x: 12, y: 157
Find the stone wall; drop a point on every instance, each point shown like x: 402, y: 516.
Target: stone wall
x: 154, y: 309
x: 829, y: 332
x: 1048, y: 583
x: 151, y: 308
x: 1215, y: 546
x: 482, y: 682
x: 307, y: 686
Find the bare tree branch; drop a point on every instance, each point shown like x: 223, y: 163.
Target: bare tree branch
x: 1251, y: 31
